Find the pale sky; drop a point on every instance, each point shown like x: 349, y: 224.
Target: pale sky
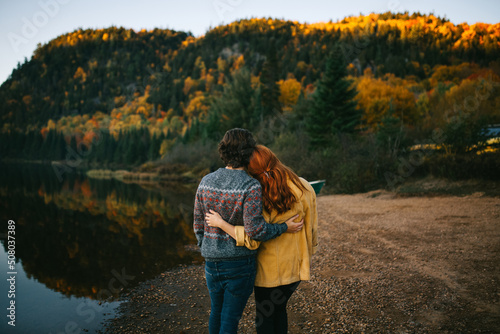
x: 25, y: 23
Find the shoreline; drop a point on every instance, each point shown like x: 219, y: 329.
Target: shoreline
x: 386, y: 263
x: 148, y: 174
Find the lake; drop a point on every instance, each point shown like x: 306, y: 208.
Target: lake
x: 81, y: 242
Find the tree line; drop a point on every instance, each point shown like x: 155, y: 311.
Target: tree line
x: 353, y: 96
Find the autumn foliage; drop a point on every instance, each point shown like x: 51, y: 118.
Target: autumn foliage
x: 134, y: 96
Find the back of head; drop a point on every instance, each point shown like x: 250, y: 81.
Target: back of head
x: 274, y: 177
x: 236, y: 148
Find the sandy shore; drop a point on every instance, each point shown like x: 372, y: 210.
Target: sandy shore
x: 386, y: 264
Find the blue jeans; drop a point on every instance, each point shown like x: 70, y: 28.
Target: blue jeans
x: 230, y: 284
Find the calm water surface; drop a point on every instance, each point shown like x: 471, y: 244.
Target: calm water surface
x: 80, y: 242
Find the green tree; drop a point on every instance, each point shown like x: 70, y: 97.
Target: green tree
x: 269, y: 77
x: 98, y: 152
x: 132, y: 147
x: 463, y: 134
x: 333, y: 108
x: 236, y: 105
x: 119, y: 154
x: 154, y: 148
x: 390, y: 133
x: 110, y: 148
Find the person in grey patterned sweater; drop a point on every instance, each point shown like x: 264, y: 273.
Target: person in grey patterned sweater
x: 230, y: 270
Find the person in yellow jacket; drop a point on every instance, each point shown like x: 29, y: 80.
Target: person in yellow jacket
x: 285, y: 261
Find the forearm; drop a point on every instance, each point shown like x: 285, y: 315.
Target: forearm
x: 260, y: 230
x: 256, y: 226
x: 228, y: 228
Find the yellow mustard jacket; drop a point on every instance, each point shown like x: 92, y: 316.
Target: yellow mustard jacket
x: 287, y: 258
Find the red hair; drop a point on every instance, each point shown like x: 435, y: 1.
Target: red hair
x: 273, y: 176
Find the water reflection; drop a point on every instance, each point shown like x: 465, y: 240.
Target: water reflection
x: 75, y: 236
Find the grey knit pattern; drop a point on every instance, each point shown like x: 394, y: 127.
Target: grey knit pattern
x: 237, y: 197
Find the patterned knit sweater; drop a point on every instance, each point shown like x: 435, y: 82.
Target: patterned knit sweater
x: 237, y: 197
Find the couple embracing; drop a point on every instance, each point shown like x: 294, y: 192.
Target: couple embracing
x: 256, y: 224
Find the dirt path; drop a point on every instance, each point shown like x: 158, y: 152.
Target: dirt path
x: 385, y: 264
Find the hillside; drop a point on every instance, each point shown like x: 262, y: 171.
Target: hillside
x: 144, y: 93
x: 84, y: 72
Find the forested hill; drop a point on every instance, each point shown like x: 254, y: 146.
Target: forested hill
x: 82, y: 72
x: 87, y: 71
x: 167, y: 82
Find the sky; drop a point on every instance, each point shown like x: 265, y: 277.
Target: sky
x: 25, y: 23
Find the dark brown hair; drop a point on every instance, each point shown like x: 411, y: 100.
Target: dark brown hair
x: 236, y: 148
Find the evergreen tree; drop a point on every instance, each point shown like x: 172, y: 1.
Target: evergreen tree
x: 110, y: 148
x: 72, y: 145
x: 36, y: 146
x: 269, y: 77
x: 153, y: 148
x: 258, y: 114
x: 144, y: 141
x: 30, y: 137
x: 18, y: 143
x: 131, y: 146
x: 235, y: 107
x: 390, y: 133
x: 46, y: 146
x: 99, y: 148
x: 118, y: 156
x: 333, y: 108
x: 61, y: 147
x: 4, y: 145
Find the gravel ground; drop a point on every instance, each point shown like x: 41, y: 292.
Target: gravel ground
x: 386, y: 264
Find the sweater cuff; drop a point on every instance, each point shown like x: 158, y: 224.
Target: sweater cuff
x: 283, y: 228
x: 240, y: 235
